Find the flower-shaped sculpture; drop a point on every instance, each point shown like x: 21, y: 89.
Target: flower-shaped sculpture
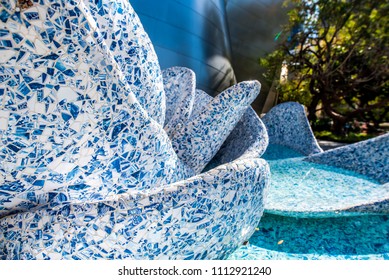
x: 88, y: 171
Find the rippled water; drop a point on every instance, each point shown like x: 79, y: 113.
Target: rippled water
x: 280, y: 237
x: 301, y: 188
x: 302, y: 219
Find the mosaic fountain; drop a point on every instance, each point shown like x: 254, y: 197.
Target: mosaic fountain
x: 321, y: 205
x: 102, y: 152
x: 105, y: 156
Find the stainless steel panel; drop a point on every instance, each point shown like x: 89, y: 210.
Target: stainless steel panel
x: 191, y: 33
x: 220, y: 40
x: 253, y: 25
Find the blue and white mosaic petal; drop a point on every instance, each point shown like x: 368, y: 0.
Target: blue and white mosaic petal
x: 180, y: 89
x: 205, y: 217
x: 198, y: 140
x: 370, y: 157
x: 132, y: 49
x: 74, y: 129
x: 288, y: 125
x: 305, y: 189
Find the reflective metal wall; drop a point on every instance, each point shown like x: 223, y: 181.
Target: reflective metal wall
x: 218, y: 39
x: 191, y: 33
x: 253, y: 26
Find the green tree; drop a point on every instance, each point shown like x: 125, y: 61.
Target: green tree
x: 336, y: 52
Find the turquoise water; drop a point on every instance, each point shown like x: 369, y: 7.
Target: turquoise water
x: 301, y: 188
x: 280, y: 237
x: 303, y: 213
x: 278, y: 152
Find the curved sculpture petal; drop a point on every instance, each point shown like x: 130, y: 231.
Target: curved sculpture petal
x: 198, y: 140
x: 180, y: 88
x: 73, y: 126
x: 205, y: 217
x: 288, y: 125
x: 369, y: 157
x: 133, y: 51
x: 313, y: 190
x: 350, y: 180
x: 253, y: 131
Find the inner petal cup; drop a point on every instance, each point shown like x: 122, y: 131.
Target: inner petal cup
x: 305, y: 189
x: 199, y: 139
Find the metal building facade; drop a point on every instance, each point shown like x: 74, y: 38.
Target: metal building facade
x: 190, y: 33
x: 220, y: 40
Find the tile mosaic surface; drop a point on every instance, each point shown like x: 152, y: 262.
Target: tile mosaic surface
x: 133, y: 51
x: 74, y: 130
x: 288, y: 125
x: 251, y: 252
x: 300, y: 227
x: 279, y: 152
x: 278, y: 237
x: 180, y: 88
x: 300, y: 188
x: 348, y: 180
x: 202, y: 99
x: 253, y: 131
x: 370, y: 157
x: 208, y: 130
x: 193, y: 219
x: 87, y: 171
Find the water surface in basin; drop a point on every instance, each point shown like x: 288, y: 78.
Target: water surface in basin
x: 281, y: 237
x: 301, y: 220
x: 301, y: 188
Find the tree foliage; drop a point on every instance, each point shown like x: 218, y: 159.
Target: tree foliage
x: 337, y: 57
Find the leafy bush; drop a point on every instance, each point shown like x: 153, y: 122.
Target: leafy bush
x: 351, y: 137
